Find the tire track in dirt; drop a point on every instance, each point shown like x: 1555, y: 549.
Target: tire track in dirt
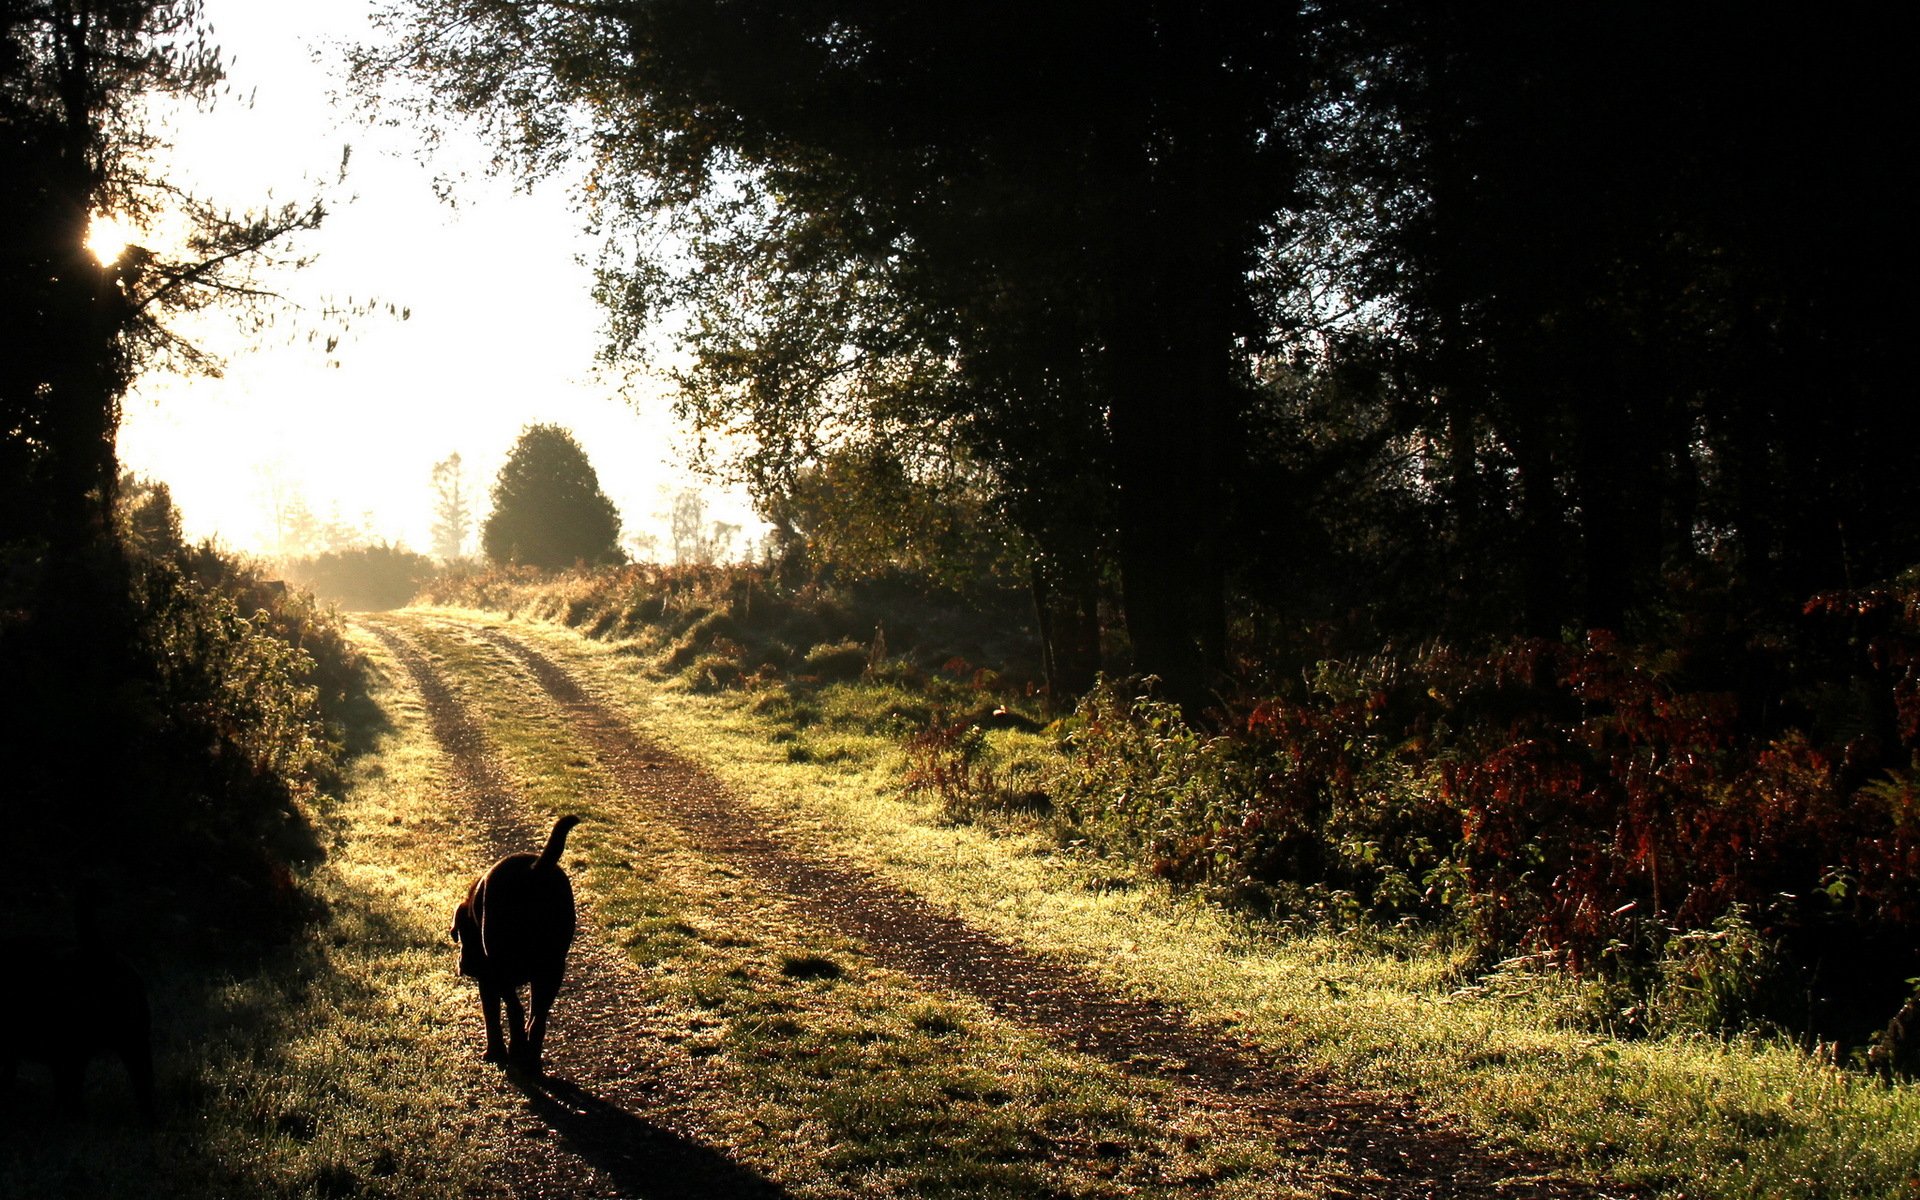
x: 616, y: 1113
x: 1389, y: 1149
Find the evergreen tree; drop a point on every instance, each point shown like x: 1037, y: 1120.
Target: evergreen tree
x: 452, y: 510
x: 548, y: 509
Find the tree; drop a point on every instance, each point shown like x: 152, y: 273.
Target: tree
x: 452, y: 510
x: 75, y: 146
x: 1027, y: 229
x: 548, y: 509
x: 1633, y: 256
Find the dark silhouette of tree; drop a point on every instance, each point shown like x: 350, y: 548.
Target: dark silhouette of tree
x: 74, y: 144
x: 1026, y: 228
x: 1459, y: 322
x: 1638, y: 262
x: 452, y: 510
x: 548, y: 509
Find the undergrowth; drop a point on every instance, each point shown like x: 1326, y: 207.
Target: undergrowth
x: 1510, y: 1049
x: 1718, y: 833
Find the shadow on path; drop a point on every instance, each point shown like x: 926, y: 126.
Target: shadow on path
x: 644, y: 1160
x: 1389, y: 1145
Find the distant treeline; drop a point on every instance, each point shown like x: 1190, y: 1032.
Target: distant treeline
x: 361, y: 578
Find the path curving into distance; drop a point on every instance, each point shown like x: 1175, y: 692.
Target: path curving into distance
x: 616, y: 1114
x: 1389, y: 1150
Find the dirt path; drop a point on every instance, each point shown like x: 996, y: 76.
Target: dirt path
x: 1389, y: 1149
x: 616, y: 1114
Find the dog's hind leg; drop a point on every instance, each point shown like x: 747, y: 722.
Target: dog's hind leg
x: 545, y: 988
x: 516, y: 1027
x: 490, y: 1008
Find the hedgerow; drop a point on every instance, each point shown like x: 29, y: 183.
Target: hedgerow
x: 1727, y: 834
x: 1718, y: 824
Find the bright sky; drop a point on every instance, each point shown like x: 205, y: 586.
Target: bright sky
x: 502, y: 331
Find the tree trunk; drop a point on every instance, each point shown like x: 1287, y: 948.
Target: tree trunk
x: 1169, y: 414
x: 1067, y: 607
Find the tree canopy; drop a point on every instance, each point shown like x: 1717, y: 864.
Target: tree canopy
x: 76, y: 145
x: 1023, y: 229
x: 1351, y: 313
x: 548, y: 509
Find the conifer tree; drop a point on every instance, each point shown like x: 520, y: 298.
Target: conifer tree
x: 548, y: 509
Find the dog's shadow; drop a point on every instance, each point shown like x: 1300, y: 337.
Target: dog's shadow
x: 641, y: 1158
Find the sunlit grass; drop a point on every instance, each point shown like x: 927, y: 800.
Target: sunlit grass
x: 1693, y: 1116
x: 350, y: 1069
x: 828, y: 1072
x: 336, y: 1065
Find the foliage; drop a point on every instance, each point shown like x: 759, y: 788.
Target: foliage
x: 452, y: 510
x: 364, y: 578
x: 548, y: 509
x: 243, y: 686
x: 1441, y: 320
x: 863, y: 513
x: 204, y: 724
x: 1074, y: 318
x: 77, y: 141
x: 1622, y: 810
x: 1617, y: 346
x: 1304, y: 808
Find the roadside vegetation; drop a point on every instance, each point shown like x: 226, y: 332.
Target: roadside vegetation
x: 873, y: 1086
x: 1316, y: 872
x: 360, y: 578
x: 180, y: 771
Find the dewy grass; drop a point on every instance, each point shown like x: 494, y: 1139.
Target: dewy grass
x: 1691, y: 1116
x: 351, y: 1076
x: 827, y: 1072
x: 331, y: 1068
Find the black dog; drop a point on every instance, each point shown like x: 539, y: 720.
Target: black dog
x: 66, y: 1002
x: 515, y: 928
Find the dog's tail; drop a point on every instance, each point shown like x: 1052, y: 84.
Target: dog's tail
x: 557, y: 841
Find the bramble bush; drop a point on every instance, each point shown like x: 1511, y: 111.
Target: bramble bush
x: 238, y: 689
x: 1726, y: 826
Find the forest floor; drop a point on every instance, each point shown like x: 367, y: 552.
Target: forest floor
x: 753, y: 1010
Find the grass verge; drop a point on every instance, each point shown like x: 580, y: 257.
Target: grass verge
x: 1689, y: 1116
x: 335, y: 1066
x: 818, y: 1067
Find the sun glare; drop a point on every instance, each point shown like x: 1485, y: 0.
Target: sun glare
x: 108, y: 237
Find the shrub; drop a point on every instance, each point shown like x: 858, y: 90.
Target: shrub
x: 1300, y: 807
x: 363, y: 579
x: 1726, y: 831
x: 836, y: 660
x: 944, y: 761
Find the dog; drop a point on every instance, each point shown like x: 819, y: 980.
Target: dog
x: 68, y: 1001
x: 515, y: 928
